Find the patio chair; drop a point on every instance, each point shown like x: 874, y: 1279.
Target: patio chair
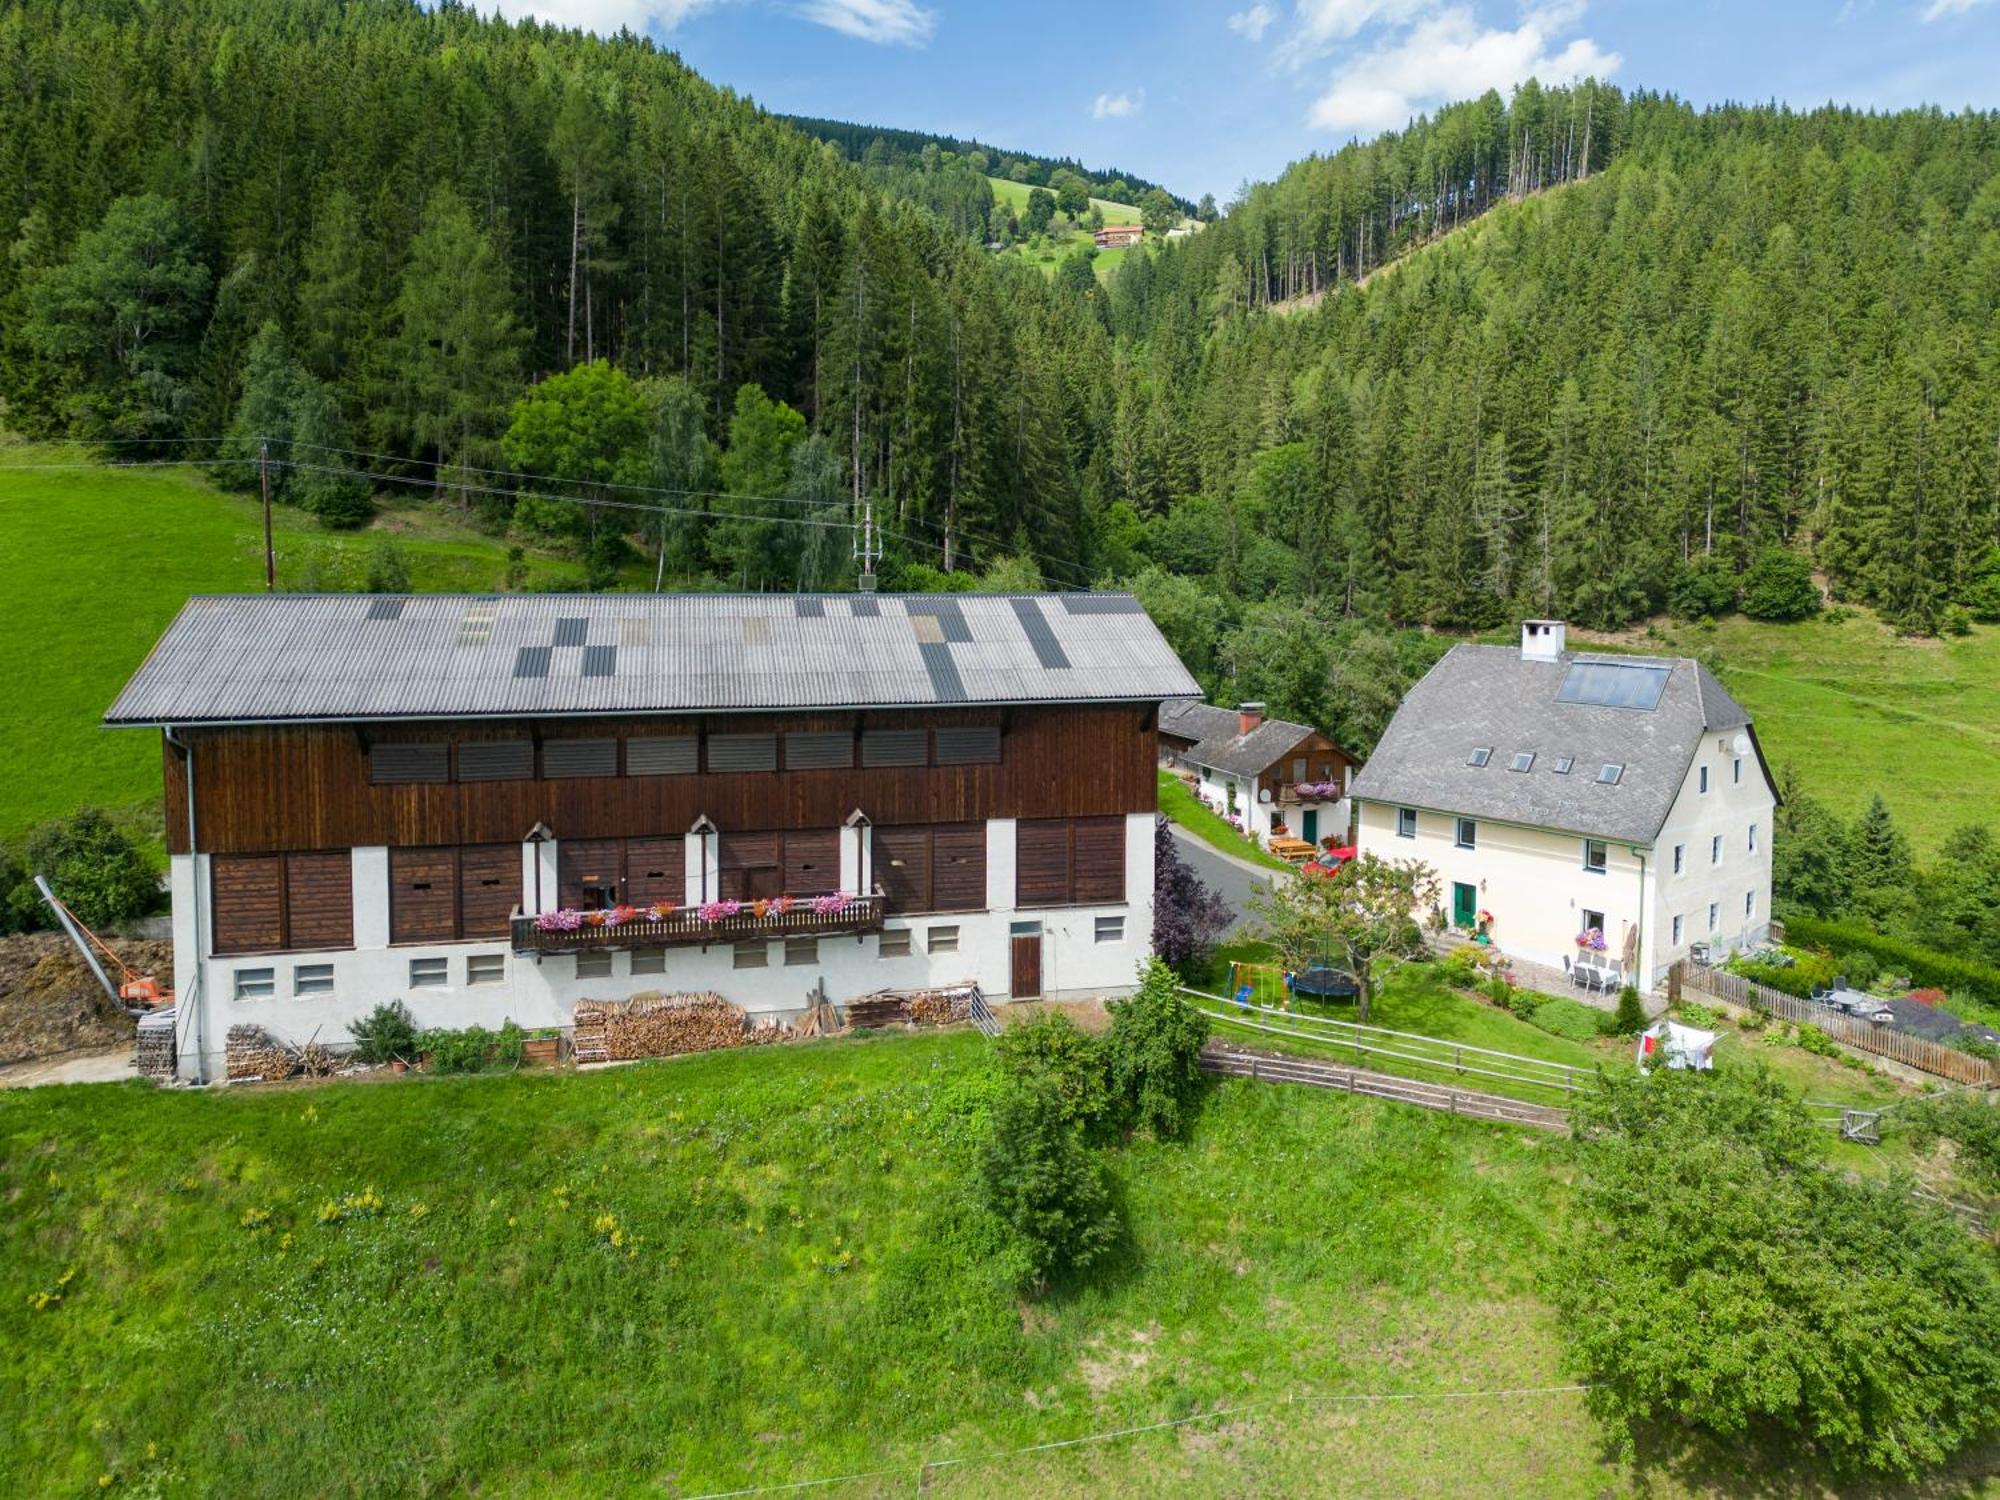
x: 1840, y: 981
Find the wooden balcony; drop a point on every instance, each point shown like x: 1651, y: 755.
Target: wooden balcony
x: 1310, y: 791
x: 684, y: 927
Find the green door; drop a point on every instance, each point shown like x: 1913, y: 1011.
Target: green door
x: 1464, y: 904
x: 1309, y: 825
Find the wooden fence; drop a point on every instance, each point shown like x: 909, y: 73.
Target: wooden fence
x: 1850, y: 1031
x: 1265, y: 1067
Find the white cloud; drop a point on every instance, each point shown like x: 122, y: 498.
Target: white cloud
x: 1448, y: 55
x: 891, y: 22
x: 605, y: 17
x: 1118, y: 106
x: 1939, y: 9
x: 1251, y: 24
x: 1324, y: 23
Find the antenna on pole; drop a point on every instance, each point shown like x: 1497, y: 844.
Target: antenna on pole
x: 264, y: 483
x: 867, y: 546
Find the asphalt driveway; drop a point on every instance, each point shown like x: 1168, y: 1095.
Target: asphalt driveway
x: 1236, y: 879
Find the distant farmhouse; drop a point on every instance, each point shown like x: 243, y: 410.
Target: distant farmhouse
x: 1611, y: 808
x: 1119, y: 236
x: 493, y: 807
x: 1275, y: 777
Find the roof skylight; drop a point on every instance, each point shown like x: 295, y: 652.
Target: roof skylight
x: 1524, y: 760
x: 1480, y: 756
x: 1610, y: 775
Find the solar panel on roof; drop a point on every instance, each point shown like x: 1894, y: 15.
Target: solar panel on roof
x: 1605, y: 684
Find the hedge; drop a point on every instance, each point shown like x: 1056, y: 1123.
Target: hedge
x: 1925, y: 966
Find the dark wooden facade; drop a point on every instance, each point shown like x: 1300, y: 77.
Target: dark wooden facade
x: 269, y: 789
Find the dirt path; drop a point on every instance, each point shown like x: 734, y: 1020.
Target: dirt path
x: 94, y: 1065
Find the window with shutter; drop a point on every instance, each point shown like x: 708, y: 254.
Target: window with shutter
x: 662, y: 755
x: 248, y: 902
x: 895, y: 747
x: 812, y: 862
x: 319, y: 900
x: 489, y: 889
x: 1099, y: 861
x: 394, y: 765
x: 496, y: 760
x: 751, y: 866
x: 743, y: 752
x: 422, y: 895
x: 655, y: 870
x: 977, y: 745
x: 819, y: 751
x: 590, y: 873
x: 566, y: 759
x: 1041, y: 862
x: 958, y: 867
x: 902, y: 859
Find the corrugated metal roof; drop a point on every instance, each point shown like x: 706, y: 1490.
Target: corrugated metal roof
x: 1491, y: 697
x: 264, y: 658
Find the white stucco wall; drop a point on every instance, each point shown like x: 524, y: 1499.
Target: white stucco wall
x: 1728, y: 809
x: 544, y: 992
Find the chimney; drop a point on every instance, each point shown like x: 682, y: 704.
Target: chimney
x: 1248, y: 716
x: 1543, y: 640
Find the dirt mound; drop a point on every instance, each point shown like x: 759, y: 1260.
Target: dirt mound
x: 51, y: 1003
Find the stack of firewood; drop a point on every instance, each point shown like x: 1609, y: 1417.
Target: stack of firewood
x: 252, y: 1054
x: 656, y: 1025
x: 154, y: 1053
x: 930, y: 1008
x: 883, y: 1008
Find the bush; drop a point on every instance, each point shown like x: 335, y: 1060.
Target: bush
x: 1154, y: 1052
x: 386, y: 1033
x: 1687, y: 1177
x: 1859, y: 968
x: 1694, y: 1013
x: 1702, y: 590
x: 1039, y: 1177
x: 1779, y: 586
x: 1630, y: 1017
x: 473, y: 1049
x: 1923, y: 965
x: 1460, y: 969
x: 99, y: 873
x: 1051, y: 1050
x: 1817, y: 1042
x: 1560, y: 1016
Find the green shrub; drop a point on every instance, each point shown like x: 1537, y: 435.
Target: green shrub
x: 1694, y: 1013
x: 1860, y: 968
x: 1873, y: 1293
x: 1154, y: 1052
x: 386, y: 1033
x: 473, y: 1049
x: 1038, y: 1176
x: 1702, y: 590
x: 1460, y: 969
x: 97, y: 871
x: 1779, y: 586
x: 1925, y: 966
x: 1561, y: 1016
x: 1817, y: 1042
x: 1052, y: 1050
x: 1630, y: 1017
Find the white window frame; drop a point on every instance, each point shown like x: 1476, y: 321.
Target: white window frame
x: 1406, y: 822
x: 304, y: 988
x: 1465, y: 833
x: 485, y: 968
x: 941, y: 939
x: 1602, y: 850
x: 895, y: 942
x: 260, y: 983
x: 1110, y: 929
x: 422, y: 970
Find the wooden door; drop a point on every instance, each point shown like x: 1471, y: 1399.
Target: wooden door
x: 1025, y: 967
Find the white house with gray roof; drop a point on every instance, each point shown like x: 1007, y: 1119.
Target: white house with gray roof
x: 1269, y: 776
x: 1560, y: 794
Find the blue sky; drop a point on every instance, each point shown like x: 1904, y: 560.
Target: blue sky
x: 1201, y: 94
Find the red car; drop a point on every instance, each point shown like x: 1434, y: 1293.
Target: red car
x: 1328, y: 860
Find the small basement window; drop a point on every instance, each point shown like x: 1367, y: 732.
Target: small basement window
x: 649, y: 960
x: 801, y: 950
x: 895, y: 943
x: 1610, y: 775
x: 486, y: 968
x: 593, y: 965
x: 312, y: 979
x: 256, y: 984
x: 942, y: 940
x: 427, y: 972
x: 1110, y: 929
x: 1480, y: 756
x: 1523, y: 760
x: 750, y: 956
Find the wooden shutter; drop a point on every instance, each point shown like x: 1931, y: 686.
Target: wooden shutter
x: 589, y: 872
x: 496, y: 760
x: 895, y: 747
x: 423, y: 889
x: 656, y: 870
x: 249, y: 902
x: 564, y: 760
x: 958, y: 867
x: 1041, y: 862
x: 489, y: 888
x: 393, y: 765
x: 903, y: 867
x: 1099, y: 860
x: 976, y: 745
x: 812, y: 862
x: 750, y: 865
x: 662, y: 755
x: 319, y: 900
x: 743, y: 752
x: 816, y: 751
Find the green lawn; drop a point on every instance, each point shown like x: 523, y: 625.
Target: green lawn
x: 94, y: 562
x: 1854, y: 708
x: 1188, y: 810
x: 1015, y: 194
x: 754, y: 1267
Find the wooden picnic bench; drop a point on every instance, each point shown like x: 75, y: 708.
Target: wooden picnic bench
x: 1295, y: 851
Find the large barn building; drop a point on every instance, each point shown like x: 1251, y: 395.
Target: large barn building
x: 491, y: 807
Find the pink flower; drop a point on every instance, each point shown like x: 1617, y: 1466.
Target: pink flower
x: 564, y: 920
x: 830, y: 905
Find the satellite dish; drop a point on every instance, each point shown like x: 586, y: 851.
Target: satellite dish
x: 1741, y: 744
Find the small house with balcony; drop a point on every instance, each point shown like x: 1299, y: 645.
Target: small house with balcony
x: 1273, y: 778
x: 492, y: 807
x: 1605, y: 815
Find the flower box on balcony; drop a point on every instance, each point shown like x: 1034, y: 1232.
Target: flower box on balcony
x: 727, y: 921
x: 1316, y: 791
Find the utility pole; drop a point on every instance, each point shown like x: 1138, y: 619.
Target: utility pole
x: 264, y: 483
x: 867, y: 546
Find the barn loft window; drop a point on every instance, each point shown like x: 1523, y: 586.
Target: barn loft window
x: 819, y: 751
x: 496, y: 760
x: 396, y: 765
x: 743, y: 752
x: 894, y: 747
x: 661, y: 755
x: 563, y: 759
x: 975, y: 745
